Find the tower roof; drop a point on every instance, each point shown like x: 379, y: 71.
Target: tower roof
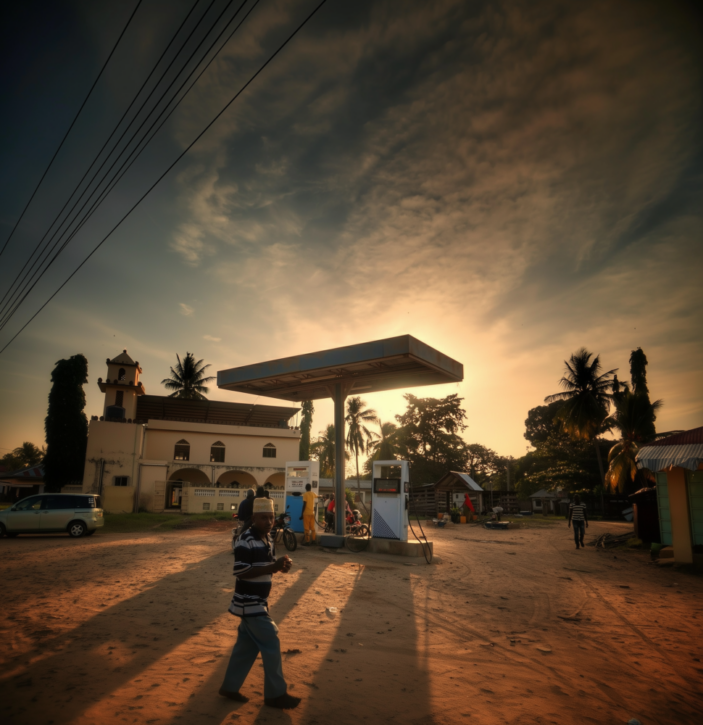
x: 123, y: 359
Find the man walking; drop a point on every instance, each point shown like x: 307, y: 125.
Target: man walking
x: 254, y: 566
x: 308, y: 515
x: 579, y: 517
x: 245, y: 511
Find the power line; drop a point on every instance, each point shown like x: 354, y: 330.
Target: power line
x: 115, y: 179
x: 78, y: 185
x: 46, y: 171
x: 178, y: 158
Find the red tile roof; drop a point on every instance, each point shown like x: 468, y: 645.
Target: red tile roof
x: 687, y: 438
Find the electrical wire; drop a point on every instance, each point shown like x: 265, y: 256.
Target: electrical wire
x: 36, y: 278
x: 127, y: 163
x: 122, y: 170
x: 180, y: 156
x: 63, y: 140
x: 78, y: 185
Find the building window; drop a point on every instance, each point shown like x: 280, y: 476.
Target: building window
x: 121, y: 480
x: 119, y: 397
x: 121, y: 375
x: 182, y: 451
x: 269, y: 450
x: 206, y: 507
x: 217, y: 452
x: 220, y: 507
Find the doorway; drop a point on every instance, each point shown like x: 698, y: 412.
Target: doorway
x: 174, y: 492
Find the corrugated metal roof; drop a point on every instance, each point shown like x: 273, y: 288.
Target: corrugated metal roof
x: 688, y: 437
x: 659, y: 458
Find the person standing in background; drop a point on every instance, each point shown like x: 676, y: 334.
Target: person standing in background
x: 579, y: 517
x: 308, y: 515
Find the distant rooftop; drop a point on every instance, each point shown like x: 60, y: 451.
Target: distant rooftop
x: 158, y: 407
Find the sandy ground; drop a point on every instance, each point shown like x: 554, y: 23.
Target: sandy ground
x: 512, y: 627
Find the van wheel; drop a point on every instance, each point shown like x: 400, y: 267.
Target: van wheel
x: 3, y: 530
x: 77, y: 529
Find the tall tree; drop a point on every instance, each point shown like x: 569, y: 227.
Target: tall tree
x: 383, y: 446
x: 66, y: 424
x: 307, y: 412
x: 638, y: 379
x: 633, y: 420
x: 429, y: 436
x: 586, y: 399
x: 324, y: 450
x: 187, y: 379
x: 358, y: 433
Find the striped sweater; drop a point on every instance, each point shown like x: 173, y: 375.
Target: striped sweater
x: 251, y: 595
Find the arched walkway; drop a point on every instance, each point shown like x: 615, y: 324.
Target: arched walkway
x: 277, y: 480
x: 237, y: 479
x: 190, y: 475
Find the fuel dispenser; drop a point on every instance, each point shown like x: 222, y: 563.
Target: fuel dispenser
x: 390, y: 499
x: 299, y: 473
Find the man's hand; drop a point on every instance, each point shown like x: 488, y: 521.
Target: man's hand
x: 283, y: 564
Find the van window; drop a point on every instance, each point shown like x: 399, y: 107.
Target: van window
x: 33, y: 503
x: 86, y: 502
x: 60, y: 502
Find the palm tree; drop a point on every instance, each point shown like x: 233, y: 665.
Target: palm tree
x: 188, y: 379
x: 384, y: 446
x: 358, y: 435
x: 633, y: 419
x: 307, y: 412
x: 586, y: 399
x: 324, y: 449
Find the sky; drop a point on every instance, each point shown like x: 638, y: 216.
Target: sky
x: 506, y: 181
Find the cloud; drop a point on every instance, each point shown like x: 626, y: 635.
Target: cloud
x: 186, y: 310
x: 518, y: 179
x: 210, y: 338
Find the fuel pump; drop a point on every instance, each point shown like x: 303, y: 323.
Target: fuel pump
x: 390, y: 499
x: 298, y: 474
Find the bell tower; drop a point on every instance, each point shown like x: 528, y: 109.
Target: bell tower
x: 121, y: 388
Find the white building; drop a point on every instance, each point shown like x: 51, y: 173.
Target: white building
x: 159, y: 453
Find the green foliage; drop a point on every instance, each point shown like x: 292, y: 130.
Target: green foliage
x: 383, y: 446
x: 23, y: 456
x: 188, y: 379
x: 323, y: 450
x: 634, y: 419
x: 358, y: 433
x: 542, y: 423
x: 349, y: 494
x: 66, y: 424
x: 428, y: 437
x: 586, y: 396
x: 307, y: 412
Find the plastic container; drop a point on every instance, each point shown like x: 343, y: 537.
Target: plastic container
x: 462, y: 519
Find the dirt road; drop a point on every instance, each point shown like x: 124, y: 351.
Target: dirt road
x: 512, y: 627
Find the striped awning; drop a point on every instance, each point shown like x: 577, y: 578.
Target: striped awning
x: 663, y: 457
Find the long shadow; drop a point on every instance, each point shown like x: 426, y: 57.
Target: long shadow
x: 374, y: 669
x: 209, y: 704
x: 76, y: 675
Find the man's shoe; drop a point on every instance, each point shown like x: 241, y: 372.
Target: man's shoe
x: 283, y: 702
x: 236, y: 696
x: 577, y: 546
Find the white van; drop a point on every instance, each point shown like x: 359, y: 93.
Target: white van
x: 76, y: 514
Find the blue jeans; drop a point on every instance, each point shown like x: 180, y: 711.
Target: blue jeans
x: 256, y: 634
x: 579, y: 531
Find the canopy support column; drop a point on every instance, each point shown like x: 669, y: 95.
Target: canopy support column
x: 339, y: 464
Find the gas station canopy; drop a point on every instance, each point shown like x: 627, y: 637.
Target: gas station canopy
x: 397, y: 362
